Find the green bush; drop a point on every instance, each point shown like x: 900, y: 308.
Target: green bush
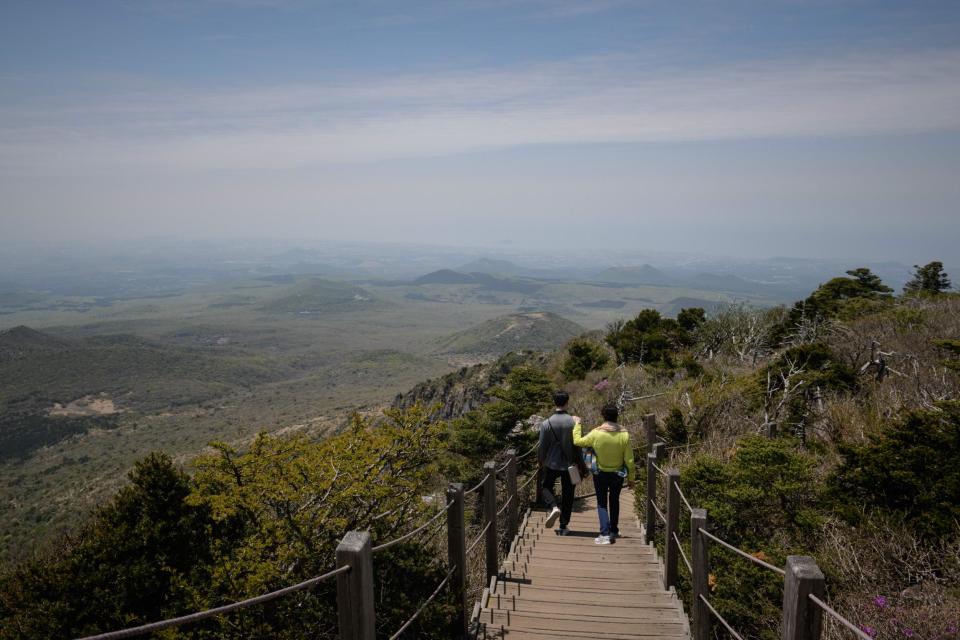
x: 953, y: 348
x: 676, y: 427
x: 133, y: 563
x: 583, y: 356
x: 652, y: 339
x: 247, y: 523
x: 910, y: 469
x: 844, y: 297
x: 763, y: 501
x: 480, y: 434
x: 764, y: 493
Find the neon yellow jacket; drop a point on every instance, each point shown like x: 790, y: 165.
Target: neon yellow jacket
x: 612, y: 448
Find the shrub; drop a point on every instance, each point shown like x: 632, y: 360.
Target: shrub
x: 953, y: 348
x: 247, y: 523
x: 763, y: 501
x: 652, y: 339
x: 910, y: 469
x: 133, y: 563
x: 676, y: 427
x: 583, y: 356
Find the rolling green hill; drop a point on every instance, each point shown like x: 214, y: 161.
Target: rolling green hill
x: 484, y: 280
x: 537, y: 331
x: 645, y: 274
x: 22, y: 341
x: 55, y: 387
x: 318, y: 296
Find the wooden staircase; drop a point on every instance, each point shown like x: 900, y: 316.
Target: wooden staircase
x: 551, y: 587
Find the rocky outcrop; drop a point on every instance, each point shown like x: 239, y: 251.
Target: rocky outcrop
x: 464, y: 390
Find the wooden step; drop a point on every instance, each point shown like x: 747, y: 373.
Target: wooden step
x: 542, y: 593
x: 587, y: 555
x: 568, y: 573
x: 520, y: 634
x: 573, y: 624
x: 551, y: 587
x: 587, y: 609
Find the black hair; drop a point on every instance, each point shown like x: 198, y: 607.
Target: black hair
x: 610, y: 413
x: 560, y: 398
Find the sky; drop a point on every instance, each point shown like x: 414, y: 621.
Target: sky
x: 810, y: 128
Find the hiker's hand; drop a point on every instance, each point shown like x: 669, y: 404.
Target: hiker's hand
x: 576, y: 419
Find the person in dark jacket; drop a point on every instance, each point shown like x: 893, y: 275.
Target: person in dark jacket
x: 556, y: 455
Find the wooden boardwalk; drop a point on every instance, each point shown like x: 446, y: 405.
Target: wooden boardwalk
x: 553, y: 587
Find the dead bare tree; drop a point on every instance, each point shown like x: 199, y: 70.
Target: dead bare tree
x: 811, y: 327
x: 878, y: 362
x: 781, y: 389
x: 627, y: 394
x: 736, y: 329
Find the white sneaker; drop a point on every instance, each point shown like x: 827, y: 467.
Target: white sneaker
x: 601, y: 540
x: 552, y: 517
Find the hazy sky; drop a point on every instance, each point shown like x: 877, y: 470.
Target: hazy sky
x: 783, y: 127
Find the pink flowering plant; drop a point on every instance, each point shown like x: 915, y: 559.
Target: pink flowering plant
x: 897, y: 618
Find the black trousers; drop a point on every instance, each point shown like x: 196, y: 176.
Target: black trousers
x: 549, y: 495
x: 608, y: 485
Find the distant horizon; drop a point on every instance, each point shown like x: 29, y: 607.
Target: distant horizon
x: 619, y: 256
x: 750, y: 129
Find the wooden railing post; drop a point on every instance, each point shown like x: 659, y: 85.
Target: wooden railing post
x: 457, y: 552
x: 355, y: 611
x: 651, y: 514
x: 802, y: 619
x: 700, y: 580
x: 513, y: 511
x: 673, y: 522
x: 650, y: 429
x: 650, y: 531
x: 490, y: 516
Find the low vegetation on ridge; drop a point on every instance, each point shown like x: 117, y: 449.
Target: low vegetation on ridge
x: 827, y: 429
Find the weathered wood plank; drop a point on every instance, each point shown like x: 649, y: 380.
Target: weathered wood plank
x: 553, y: 587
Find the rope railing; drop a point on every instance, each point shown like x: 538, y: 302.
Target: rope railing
x: 802, y: 578
x: 477, y: 540
x: 527, y: 483
x: 742, y: 553
x: 416, y: 614
x: 660, y: 515
x: 478, y: 486
x: 354, y: 558
x: 405, y: 537
x: 683, y: 555
x: 505, y: 505
x: 437, y: 528
x: 721, y: 619
x: 528, y: 452
x: 839, y: 618
x: 355, y: 554
x: 683, y: 497
x: 217, y: 611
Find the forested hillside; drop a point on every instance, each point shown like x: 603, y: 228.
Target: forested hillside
x: 828, y: 428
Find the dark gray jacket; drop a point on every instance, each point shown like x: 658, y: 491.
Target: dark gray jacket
x: 556, y: 441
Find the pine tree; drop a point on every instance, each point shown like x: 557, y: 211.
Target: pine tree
x: 869, y: 281
x: 930, y: 279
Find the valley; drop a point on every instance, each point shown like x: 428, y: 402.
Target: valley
x: 93, y: 383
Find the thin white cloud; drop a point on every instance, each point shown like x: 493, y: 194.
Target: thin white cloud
x: 610, y: 100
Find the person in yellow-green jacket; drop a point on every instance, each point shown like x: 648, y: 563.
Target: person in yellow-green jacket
x: 611, y: 444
